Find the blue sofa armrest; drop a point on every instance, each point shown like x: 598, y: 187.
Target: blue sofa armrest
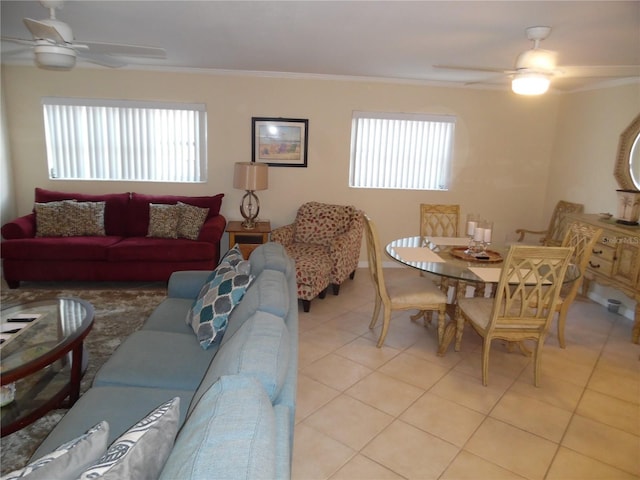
x: 186, y: 283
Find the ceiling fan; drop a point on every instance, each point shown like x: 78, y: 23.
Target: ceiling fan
x: 55, y: 49
x: 535, y: 67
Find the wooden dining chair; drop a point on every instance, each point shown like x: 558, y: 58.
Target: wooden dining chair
x: 437, y: 220
x: 554, y: 234
x: 408, y: 294
x: 530, y: 281
x: 582, y: 238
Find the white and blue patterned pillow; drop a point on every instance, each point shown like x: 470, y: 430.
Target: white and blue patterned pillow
x: 141, y: 451
x: 210, y: 314
x: 68, y: 460
x: 221, y: 292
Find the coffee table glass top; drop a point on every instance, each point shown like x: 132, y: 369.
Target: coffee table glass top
x: 36, y: 356
x: 440, y: 260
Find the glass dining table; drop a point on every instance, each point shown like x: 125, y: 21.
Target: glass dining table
x: 445, y: 257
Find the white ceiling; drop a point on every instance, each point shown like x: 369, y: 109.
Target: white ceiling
x: 383, y: 39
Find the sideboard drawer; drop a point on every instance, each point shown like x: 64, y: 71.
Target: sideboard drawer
x: 601, y: 265
x: 604, y: 250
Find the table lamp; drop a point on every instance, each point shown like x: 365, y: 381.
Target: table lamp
x: 250, y: 176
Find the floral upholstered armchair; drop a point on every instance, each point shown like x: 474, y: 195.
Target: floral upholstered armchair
x: 325, y: 243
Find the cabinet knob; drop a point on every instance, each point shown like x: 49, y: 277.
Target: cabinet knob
x: 593, y: 266
x: 597, y: 252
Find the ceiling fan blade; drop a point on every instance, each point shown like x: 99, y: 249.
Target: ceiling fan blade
x: 126, y: 50
x: 102, y: 59
x: 621, y: 71
x: 43, y: 30
x: 19, y: 41
x: 475, y: 69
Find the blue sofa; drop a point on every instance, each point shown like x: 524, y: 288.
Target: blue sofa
x: 237, y: 399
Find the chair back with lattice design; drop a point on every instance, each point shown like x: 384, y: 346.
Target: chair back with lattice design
x: 582, y: 238
x: 439, y: 220
x: 557, y: 225
x: 374, y: 254
x: 527, y: 292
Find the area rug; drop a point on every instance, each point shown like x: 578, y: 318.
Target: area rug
x: 119, y: 311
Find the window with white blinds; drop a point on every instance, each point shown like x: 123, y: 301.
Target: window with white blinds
x: 90, y: 139
x: 401, y: 151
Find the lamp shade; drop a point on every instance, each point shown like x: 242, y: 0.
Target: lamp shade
x: 251, y: 176
x: 528, y: 83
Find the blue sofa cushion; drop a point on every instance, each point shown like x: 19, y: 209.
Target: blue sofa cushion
x: 268, y: 293
x: 169, y: 316
x: 68, y: 460
x: 120, y: 406
x: 141, y: 451
x: 270, y: 255
x: 260, y: 348
x: 149, y: 358
x: 229, y: 435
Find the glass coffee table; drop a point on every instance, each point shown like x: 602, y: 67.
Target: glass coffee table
x: 41, y: 358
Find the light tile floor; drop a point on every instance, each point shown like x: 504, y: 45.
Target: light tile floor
x: 403, y: 412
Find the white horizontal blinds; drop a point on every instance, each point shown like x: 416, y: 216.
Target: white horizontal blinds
x: 117, y: 140
x: 402, y: 151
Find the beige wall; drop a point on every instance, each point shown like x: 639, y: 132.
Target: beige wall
x: 585, y: 148
x: 502, y: 150
x: 514, y: 156
x: 7, y: 194
x: 586, y: 143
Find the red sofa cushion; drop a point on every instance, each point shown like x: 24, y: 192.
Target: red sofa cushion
x: 115, y: 210
x: 142, y: 249
x: 138, y: 216
x: 59, y: 248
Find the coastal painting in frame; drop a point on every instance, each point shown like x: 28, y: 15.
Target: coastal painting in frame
x: 280, y: 142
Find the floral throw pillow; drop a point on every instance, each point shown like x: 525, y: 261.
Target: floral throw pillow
x: 191, y: 220
x: 86, y: 218
x: 52, y: 219
x: 163, y: 220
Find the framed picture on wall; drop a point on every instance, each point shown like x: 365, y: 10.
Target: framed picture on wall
x: 280, y: 142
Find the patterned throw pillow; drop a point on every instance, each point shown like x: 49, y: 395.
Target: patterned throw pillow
x: 191, y: 220
x: 86, y: 218
x: 68, y: 460
x: 52, y: 219
x: 163, y: 220
x: 141, y: 451
x: 209, y: 315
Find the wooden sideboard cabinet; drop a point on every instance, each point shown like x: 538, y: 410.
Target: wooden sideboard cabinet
x: 615, y: 260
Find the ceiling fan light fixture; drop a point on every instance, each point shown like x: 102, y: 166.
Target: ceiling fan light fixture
x: 528, y: 83
x: 55, y: 57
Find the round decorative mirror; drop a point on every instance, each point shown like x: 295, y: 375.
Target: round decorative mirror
x: 627, y: 169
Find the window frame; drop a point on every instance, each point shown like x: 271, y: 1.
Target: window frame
x: 391, y: 173
x: 131, y: 160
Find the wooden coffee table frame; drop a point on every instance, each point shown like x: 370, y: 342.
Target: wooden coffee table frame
x: 70, y: 390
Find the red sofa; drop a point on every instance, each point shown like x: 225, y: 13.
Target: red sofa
x: 124, y: 253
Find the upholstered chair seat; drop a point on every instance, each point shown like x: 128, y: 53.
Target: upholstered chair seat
x: 325, y: 243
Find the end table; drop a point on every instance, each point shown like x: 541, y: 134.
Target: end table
x: 248, y: 240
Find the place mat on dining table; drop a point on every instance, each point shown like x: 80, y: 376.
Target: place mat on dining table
x: 492, y: 274
x: 418, y: 254
x: 449, y: 241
